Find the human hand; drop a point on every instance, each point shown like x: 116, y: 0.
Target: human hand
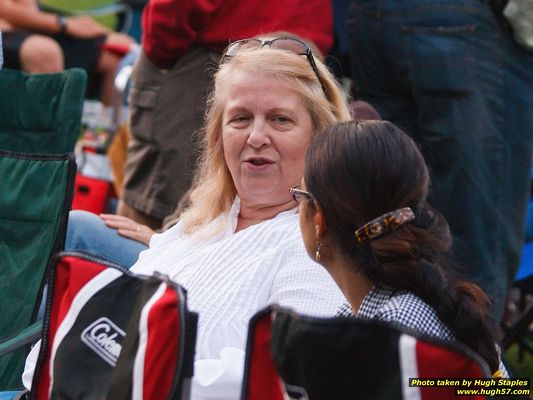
x: 128, y: 228
x: 84, y: 27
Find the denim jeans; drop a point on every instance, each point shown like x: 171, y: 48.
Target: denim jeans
x: 87, y: 232
x: 447, y: 73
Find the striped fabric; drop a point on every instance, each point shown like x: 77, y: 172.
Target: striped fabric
x: 109, y: 334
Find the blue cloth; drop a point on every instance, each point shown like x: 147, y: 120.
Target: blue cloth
x: 452, y: 78
x: 529, y: 221
x: 526, y: 266
x: 86, y: 231
x: 9, y: 395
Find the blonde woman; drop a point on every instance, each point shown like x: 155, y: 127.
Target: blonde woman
x: 237, y: 247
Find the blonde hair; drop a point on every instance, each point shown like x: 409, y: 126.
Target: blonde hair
x: 213, y: 189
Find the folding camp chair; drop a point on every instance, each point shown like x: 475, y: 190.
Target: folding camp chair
x: 112, y: 334
x: 40, y: 118
x: 310, y: 358
x: 34, y: 205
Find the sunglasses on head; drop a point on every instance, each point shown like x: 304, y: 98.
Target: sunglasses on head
x: 292, y: 45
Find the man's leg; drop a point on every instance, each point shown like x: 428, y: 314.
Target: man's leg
x: 450, y: 63
x: 32, y: 53
x: 166, y: 109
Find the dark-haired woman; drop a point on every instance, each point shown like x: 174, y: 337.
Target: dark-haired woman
x: 365, y: 218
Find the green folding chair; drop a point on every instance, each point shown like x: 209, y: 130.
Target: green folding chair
x: 41, y: 113
x: 40, y: 117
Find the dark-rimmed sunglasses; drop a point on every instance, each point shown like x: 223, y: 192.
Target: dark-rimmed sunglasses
x: 293, y: 45
x: 298, y: 194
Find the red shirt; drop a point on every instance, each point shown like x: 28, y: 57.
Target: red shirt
x: 171, y: 27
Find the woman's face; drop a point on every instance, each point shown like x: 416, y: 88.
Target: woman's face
x: 266, y: 130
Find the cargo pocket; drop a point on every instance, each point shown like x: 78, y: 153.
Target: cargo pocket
x: 142, y: 103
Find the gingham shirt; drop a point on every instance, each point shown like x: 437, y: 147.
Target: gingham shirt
x: 402, y: 307
x: 405, y: 308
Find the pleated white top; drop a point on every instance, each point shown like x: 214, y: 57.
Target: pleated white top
x: 231, y: 276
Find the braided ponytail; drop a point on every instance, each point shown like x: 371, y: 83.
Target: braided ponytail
x: 422, y: 267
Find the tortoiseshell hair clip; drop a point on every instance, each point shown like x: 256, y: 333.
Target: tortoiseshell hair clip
x: 384, y: 225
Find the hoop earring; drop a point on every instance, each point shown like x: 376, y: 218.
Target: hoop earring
x: 317, y: 252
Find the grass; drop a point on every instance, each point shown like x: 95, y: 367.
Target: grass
x: 522, y: 368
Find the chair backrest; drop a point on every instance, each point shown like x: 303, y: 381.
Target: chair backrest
x: 40, y: 118
x: 41, y: 113
x: 341, y: 358
x: 112, y: 334
x: 34, y: 203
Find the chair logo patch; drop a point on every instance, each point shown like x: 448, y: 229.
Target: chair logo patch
x: 104, y: 338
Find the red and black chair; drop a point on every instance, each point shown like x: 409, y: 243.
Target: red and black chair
x: 109, y: 333
x: 341, y: 358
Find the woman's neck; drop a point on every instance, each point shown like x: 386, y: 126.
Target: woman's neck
x: 252, y: 214
x: 350, y: 279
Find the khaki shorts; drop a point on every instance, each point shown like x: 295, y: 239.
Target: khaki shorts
x: 166, y: 109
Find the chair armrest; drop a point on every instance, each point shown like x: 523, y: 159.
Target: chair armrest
x: 111, y: 9
x: 55, y: 10
x: 28, y: 335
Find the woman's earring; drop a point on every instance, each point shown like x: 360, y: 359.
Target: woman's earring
x: 317, y: 252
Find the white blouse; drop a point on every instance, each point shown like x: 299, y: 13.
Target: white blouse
x: 230, y: 276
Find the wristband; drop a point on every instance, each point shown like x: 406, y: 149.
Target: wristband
x: 62, y: 22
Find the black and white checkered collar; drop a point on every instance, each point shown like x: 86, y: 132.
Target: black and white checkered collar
x: 378, y: 296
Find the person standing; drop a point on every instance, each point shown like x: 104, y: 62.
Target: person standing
x: 182, y: 43
x: 449, y: 75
